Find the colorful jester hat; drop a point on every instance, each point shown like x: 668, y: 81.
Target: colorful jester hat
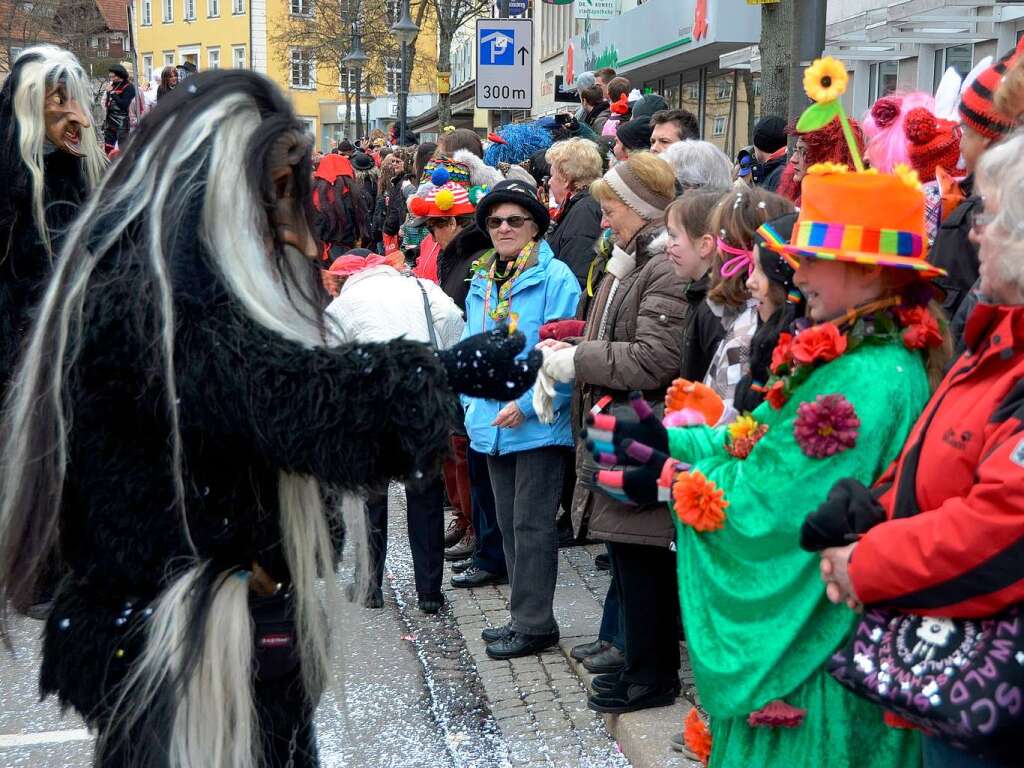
x: 862, y: 216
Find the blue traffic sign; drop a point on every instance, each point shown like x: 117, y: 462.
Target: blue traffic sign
x: 498, y: 47
x: 518, y: 7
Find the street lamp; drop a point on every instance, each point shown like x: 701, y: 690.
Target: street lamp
x: 405, y: 31
x: 356, y: 59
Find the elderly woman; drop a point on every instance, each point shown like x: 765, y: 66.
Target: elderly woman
x: 699, y: 165
x: 575, y: 164
x: 519, y: 282
x: 952, y: 501
x: 631, y: 342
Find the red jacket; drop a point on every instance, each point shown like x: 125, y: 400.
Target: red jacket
x: 954, y: 543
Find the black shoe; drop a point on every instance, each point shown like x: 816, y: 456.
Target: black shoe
x: 516, y: 644
x: 462, y: 565
x: 431, y: 604
x: 602, y: 562
x: 631, y: 697
x: 477, y: 577
x: 603, y: 684
x: 494, y: 634
x: 580, y: 652
x: 611, y: 659
x: 374, y: 599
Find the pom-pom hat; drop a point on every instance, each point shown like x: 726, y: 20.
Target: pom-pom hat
x: 932, y: 143
x: 977, y: 109
x: 449, y: 199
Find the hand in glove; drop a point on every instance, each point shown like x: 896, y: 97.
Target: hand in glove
x: 485, y: 365
x: 648, y: 483
x: 604, y: 433
x: 849, y: 512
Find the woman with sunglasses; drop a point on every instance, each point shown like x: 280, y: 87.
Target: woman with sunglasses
x: 519, y: 282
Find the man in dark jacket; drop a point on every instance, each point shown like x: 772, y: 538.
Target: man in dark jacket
x: 596, y: 107
x: 769, y: 151
x: 120, y: 93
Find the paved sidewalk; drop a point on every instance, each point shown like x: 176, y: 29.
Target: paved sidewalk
x: 540, y: 702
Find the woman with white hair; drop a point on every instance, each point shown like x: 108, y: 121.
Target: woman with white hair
x: 939, y: 534
x: 575, y: 164
x: 699, y: 165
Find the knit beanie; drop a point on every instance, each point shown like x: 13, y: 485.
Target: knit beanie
x: 648, y: 105
x: 933, y: 143
x: 770, y: 134
x: 977, y: 109
x: 635, y: 134
x: 644, y: 202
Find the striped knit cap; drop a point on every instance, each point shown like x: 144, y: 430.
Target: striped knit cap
x: 977, y: 109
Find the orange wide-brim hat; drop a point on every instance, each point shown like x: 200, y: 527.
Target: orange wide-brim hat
x: 861, y: 218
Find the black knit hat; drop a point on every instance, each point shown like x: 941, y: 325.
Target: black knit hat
x: 518, y: 192
x: 362, y: 162
x: 636, y: 133
x: 770, y: 133
x: 773, y: 264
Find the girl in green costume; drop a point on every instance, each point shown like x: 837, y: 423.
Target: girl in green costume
x: 841, y: 401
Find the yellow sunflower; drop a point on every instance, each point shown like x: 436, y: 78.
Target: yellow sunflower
x: 907, y: 175
x: 825, y: 80
x: 744, y: 426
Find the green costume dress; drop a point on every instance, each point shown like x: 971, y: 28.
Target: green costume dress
x: 758, y: 624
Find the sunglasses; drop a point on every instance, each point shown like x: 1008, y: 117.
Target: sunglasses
x: 433, y: 224
x: 493, y: 222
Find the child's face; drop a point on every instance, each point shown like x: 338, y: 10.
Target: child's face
x: 832, y: 288
x: 689, y: 259
x: 757, y: 284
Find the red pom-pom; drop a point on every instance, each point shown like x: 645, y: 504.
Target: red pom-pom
x: 418, y: 206
x: 920, y: 126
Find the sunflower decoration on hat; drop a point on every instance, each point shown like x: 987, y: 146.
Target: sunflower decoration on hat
x: 856, y: 216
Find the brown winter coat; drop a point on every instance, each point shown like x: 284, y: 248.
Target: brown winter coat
x: 640, y: 350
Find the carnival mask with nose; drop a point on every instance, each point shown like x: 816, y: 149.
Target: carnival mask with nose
x: 65, y: 120
x: 290, y: 227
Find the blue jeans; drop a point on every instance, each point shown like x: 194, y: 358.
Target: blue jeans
x: 939, y: 753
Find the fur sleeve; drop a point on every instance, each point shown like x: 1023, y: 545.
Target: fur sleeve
x: 354, y: 415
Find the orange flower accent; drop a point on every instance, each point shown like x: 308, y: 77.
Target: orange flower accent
x: 775, y: 395
x: 683, y: 394
x: 740, y: 447
x: 699, y: 502
x: 819, y: 343
x: 782, y: 355
x: 696, y: 736
x: 921, y: 330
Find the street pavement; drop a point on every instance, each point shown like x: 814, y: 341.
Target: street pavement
x: 418, y: 691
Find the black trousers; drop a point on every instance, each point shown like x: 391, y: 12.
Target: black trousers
x: 425, y: 521
x: 489, y: 554
x: 646, y: 578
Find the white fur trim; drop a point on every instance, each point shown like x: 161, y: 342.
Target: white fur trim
x: 621, y: 263
x: 480, y: 173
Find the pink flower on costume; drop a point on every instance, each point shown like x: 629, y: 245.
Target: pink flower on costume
x: 777, y: 714
x: 826, y: 426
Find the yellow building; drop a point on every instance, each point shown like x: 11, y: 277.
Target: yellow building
x: 257, y: 35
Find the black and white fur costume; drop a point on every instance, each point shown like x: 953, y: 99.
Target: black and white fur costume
x: 169, y: 427
x: 42, y: 186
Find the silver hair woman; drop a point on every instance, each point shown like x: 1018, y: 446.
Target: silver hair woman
x: 699, y: 165
x: 168, y: 429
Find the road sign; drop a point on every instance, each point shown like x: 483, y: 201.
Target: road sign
x: 504, y: 64
x: 518, y: 7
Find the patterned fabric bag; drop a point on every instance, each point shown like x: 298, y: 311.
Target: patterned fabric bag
x: 960, y: 679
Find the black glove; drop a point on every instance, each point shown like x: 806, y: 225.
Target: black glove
x: 604, y: 433
x: 849, y: 512
x: 485, y: 365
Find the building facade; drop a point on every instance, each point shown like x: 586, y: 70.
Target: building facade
x: 248, y: 34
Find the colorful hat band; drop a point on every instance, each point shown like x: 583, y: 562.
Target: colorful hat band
x: 854, y: 238
x: 775, y: 241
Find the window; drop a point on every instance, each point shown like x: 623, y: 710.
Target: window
x: 724, y: 90
x: 147, y: 12
x: 168, y: 12
x: 238, y: 6
x: 168, y: 58
x: 213, y: 8
x: 719, y: 127
x: 959, y: 57
x: 189, y: 10
x: 349, y: 76
x: 238, y: 57
x: 883, y: 79
x: 301, y: 7
x: 147, y: 67
x: 302, y: 69
x: 213, y: 58
x: 310, y: 125
x: 393, y: 75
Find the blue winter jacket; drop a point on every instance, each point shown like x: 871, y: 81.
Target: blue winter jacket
x: 546, y: 290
